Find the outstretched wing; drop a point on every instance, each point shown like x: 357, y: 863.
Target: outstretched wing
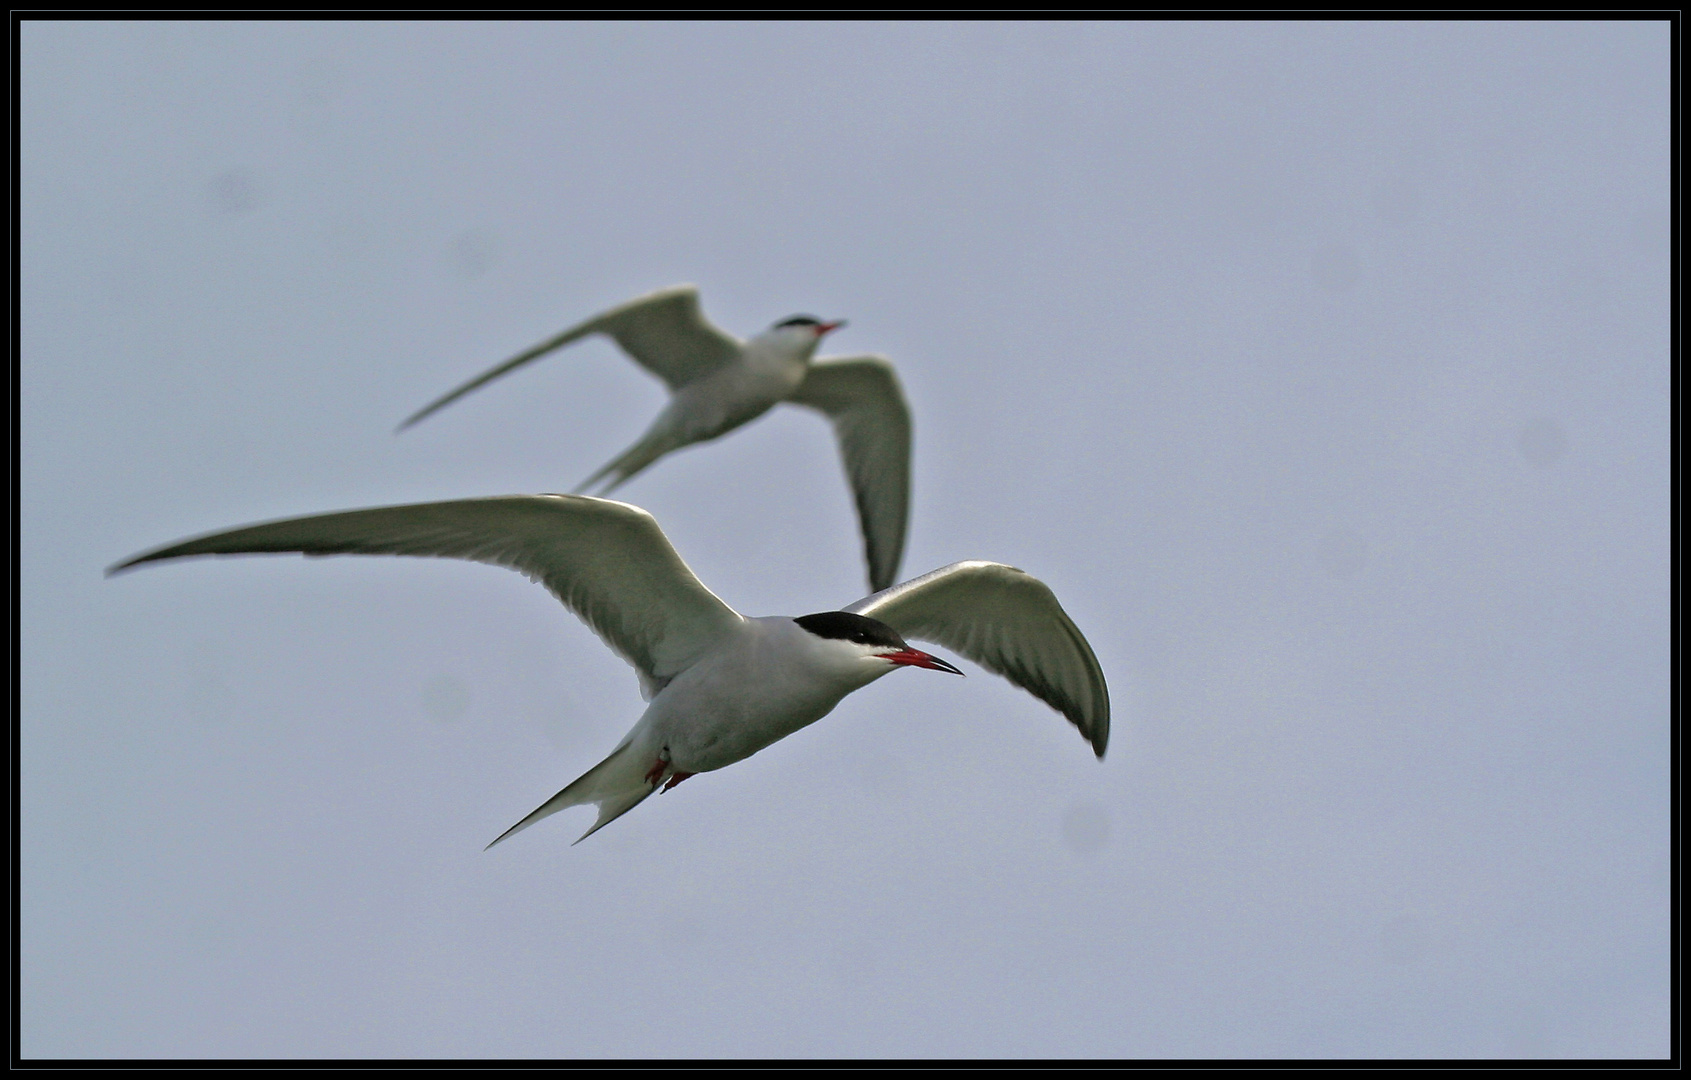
x: 862, y: 397
x: 664, y: 331
x: 1010, y: 623
x: 607, y: 561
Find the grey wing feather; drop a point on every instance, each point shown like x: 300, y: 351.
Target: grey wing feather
x: 862, y: 396
x: 607, y: 561
x: 667, y: 334
x: 664, y: 331
x: 1010, y: 623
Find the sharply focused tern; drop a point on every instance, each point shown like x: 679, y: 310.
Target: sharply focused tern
x: 721, y: 686
x: 719, y: 382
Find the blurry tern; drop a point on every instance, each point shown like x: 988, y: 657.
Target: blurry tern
x: 721, y: 686
x: 718, y: 382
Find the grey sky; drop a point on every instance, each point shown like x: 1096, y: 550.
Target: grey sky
x: 1321, y: 370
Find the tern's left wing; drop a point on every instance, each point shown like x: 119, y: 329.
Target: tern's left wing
x: 1010, y: 623
x: 664, y: 331
x: 607, y: 561
x: 861, y: 395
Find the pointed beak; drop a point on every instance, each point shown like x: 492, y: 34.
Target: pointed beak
x: 823, y: 329
x: 918, y: 658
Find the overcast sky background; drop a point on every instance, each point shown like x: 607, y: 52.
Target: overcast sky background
x: 1322, y: 370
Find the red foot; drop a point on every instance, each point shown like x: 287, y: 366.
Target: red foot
x: 659, y: 767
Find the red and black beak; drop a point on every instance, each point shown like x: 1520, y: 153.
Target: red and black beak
x: 825, y: 328
x: 918, y: 658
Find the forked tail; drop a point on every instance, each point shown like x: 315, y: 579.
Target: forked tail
x: 632, y: 461
x: 618, y: 784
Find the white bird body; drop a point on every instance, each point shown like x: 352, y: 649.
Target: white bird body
x: 765, y: 374
x: 718, y: 382
x: 720, y: 686
x: 704, y: 720
x: 768, y: 371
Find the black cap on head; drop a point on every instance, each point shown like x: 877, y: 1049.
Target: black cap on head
x: 799, y: 320
x: 845, y: 626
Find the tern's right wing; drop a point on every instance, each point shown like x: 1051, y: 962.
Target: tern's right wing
x: 861, y: 395
x: 665, y: 332
x: 607, y: 561
x: 1009, y: 622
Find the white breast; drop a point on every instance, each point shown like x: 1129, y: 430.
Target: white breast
x: 771, y: 680
x: 776, y: 365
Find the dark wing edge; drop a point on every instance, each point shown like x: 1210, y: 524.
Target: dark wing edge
x: 1010, y: 623
x: 863, y: 399
x: 608, y: 562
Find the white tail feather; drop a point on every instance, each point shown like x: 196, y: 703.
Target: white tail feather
x: 617, y: 784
